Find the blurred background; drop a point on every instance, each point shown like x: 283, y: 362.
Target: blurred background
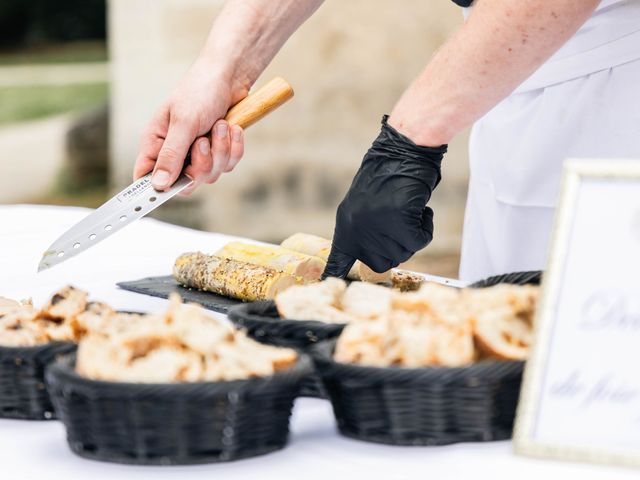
x: 79, y: 80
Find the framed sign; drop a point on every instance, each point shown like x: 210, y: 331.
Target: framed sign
x: 581, y: 393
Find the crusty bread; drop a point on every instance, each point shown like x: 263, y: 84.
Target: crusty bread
x: 503, y: 319
x: 433, y: 325
x: 500, y: 334
x: 195, y: 330
x: 318, y: 301
x: 365, y: 301
x: 17, y: 328
x: 521, y: 299
x: 404, y: 342
x: 363, y: 343
x: 183, y: 345
x: 431, y: 298
x: 96, y: 317
x: 425, y: 327
x: 65, y: 304
x: 8, y: 305
x: 22, y: 325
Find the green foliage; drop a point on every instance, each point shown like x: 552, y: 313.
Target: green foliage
x: 70, y: 52
x: 30, y: 102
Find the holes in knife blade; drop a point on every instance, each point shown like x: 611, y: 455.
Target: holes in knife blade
x: 76, y: 245
x: 123, y: 218
x: 92, y: 236
x: 107, y: 227
x: 137, y: 209
x: 60, y: 254
x: 152, y: 199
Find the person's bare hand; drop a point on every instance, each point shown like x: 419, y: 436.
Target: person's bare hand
x: 194, y: 111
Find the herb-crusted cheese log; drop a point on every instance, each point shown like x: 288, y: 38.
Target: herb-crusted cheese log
x: 304, y: 267
x: 231, y: 278
x: 321, y: 247
x: 405, y: 281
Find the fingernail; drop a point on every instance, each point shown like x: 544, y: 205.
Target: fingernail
x: 160, y: 179
x: 237, y: 134
x: 204, y: 146
x: 221, y: 130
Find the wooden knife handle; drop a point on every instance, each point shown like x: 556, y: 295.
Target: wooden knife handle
x: 259, y: 103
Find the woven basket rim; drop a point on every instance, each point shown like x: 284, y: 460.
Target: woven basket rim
x: 32, y: 348
x: 312, y: 330
x: 239, y: 312
x: 523, y: 277
x: 323, y: 352
x: 62, y: 370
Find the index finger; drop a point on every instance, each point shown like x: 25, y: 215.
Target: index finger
x: 146, y: 159
x: 338, y: 264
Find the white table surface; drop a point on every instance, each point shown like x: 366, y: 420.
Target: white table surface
x: 34, y: 449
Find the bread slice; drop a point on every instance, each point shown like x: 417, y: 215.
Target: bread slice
x: 363, y: 343
x: 422, y: 328
x: 433, y: 303
x: 366, y: 301
x: 503, y: 319
x: 182, y: 345
x: 319, y: 301
x: 7, y: 305
x: 18, y: 330
x: 64, y: 304
x: 501, y: 335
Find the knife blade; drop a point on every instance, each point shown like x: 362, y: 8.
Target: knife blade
x: 140, y: 198
x: 450, y: 282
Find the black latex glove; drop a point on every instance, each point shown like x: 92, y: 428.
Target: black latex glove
x: 383, y: 220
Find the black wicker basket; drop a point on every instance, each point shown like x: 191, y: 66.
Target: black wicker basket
x: 165, y: 424
x: 425, y: 406
x: 22, y: 389
x: 533, y: 277
x: 263, y: 323
x: 421, y: 406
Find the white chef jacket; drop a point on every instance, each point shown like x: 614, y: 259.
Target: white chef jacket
x: 583, y: 102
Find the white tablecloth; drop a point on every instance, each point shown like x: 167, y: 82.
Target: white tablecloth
x: 31, y: 449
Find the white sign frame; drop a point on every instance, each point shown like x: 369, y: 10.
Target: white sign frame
x: 526, y: 441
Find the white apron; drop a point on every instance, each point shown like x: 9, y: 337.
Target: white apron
x: 583, y: 102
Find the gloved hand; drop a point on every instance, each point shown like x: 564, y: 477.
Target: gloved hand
x: 383, y: 220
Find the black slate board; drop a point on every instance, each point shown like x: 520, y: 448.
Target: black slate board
x: 163, y: 286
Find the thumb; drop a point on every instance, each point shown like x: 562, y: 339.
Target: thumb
x: 338, y: 264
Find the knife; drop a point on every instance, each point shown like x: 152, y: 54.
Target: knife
x: 449, y: 282
x: 140, y: 198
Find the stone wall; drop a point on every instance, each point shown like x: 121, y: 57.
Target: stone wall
x: 348, y: 65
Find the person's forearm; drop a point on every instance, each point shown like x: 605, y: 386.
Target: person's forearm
x: 502, y: 43
x: 247, y: 34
